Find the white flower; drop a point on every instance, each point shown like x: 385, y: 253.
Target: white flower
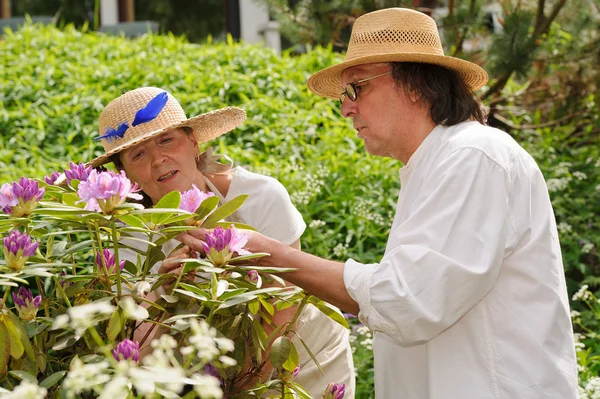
x: 564, y: 228
x: 557, y: 184
x: 25, y: 390
x: 207, y: 386
x: 574, y: 315
x: 118, y: 388
x: 587, y: 247
x: 132, y: 310
x: 582, y: 294
x: 82, y: 317
x: 85, y: 377
x: 316, y: 223
x: 579, y: 175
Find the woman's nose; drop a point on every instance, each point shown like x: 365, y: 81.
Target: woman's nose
x: 157, y: 157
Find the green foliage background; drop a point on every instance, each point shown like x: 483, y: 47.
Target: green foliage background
x: 54, y: 83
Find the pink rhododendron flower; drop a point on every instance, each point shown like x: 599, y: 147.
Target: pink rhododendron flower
x: 17, y: 249
x: 26, y: 304
x: 192, y: 198
x: 127, y: 350
x: 20, y: 198
x: 334, y: 391
x: 78, y: 172
x: 221, y: 244
x: 105, y: 190
x: 109, y: 260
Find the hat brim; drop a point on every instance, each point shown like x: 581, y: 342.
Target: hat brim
x: 328, y: 81
x: 205, y: 127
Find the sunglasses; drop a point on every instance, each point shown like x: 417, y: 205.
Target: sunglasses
x: 351, y: 92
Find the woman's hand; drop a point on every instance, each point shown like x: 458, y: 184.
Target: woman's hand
x: 172, y: 265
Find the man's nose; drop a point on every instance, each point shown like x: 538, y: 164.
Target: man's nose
x: 349, y: 108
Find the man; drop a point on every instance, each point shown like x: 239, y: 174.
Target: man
x: 469, y: 300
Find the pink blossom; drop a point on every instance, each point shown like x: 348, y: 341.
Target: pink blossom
x: 221, y: 244
x: 334, y: 391
x: 109, y: 260
x: 78, y: 172
x: 20, y: 198
x: 51, y: 179
x: 105, y: 190
x: 18, y: 247
x: 192, y: 198
x: 127, y: 350
x: 26, y: 304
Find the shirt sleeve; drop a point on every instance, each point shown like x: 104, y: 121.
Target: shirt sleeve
x: 443, y: 258
x: 269, y: 209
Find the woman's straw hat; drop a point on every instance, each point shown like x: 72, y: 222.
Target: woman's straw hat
x: 394, y: 35
x: 146, y: 112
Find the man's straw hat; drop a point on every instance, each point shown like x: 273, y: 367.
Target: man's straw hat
x: 143, y: 113
x: 394, y: 35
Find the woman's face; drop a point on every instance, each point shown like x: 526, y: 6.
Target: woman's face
x: 163, y: 164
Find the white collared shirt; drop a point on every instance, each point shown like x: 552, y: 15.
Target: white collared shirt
x: 469, y: 300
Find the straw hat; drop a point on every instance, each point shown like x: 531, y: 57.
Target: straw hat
x: 143, y: 113
x: 394, y: 35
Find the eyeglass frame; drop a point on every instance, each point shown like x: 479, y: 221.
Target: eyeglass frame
x: 352, y: 86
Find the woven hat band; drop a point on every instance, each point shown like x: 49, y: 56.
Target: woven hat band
x: 394, y: 42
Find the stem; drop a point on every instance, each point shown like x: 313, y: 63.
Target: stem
x: 295, y: 318
x: 62, y: 292
x: 43, y: 295
x: 116, y: 254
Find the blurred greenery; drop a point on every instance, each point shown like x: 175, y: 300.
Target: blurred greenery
x: 54, y: 83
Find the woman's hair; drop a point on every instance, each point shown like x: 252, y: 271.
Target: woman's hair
x: 451, y: 100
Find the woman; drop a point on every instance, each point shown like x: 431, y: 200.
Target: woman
x: 146, y: 133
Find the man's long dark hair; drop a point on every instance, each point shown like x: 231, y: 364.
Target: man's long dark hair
x: 452, y: 102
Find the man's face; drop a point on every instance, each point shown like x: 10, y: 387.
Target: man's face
x: 163, y: 164
x: 383, y: 114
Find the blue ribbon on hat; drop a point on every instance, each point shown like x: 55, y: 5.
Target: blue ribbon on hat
x: 146, y: 114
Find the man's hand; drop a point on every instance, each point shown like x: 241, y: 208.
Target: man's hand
x: 256, y: 243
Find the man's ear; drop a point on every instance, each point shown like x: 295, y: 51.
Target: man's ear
x: 414, y: 95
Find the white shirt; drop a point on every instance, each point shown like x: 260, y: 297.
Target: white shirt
x: 469, y: 300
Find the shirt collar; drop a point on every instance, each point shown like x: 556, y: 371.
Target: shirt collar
x: 427, y: 143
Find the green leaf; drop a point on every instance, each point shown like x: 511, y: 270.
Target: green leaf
x: 261, y: 334
x: 167, y: 203
x: 133, y: 220
x: 254, y: 307
x: 268, y: 306
x: 52, y: 379
x: 240, y: 226
x: 153, y: 256
x: 114, y: 325
x: 312, y: 356
x: 328, y: 310
x: 207, y: 206
x: 4, y: 348
x: 280, y: 351
x: 292, y: 361
x: 71, y: 199
x: 23, y: 337
x: 23, y: 375
x: 232, y: 293
x: 16, y: 347
x: 223, y: 211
